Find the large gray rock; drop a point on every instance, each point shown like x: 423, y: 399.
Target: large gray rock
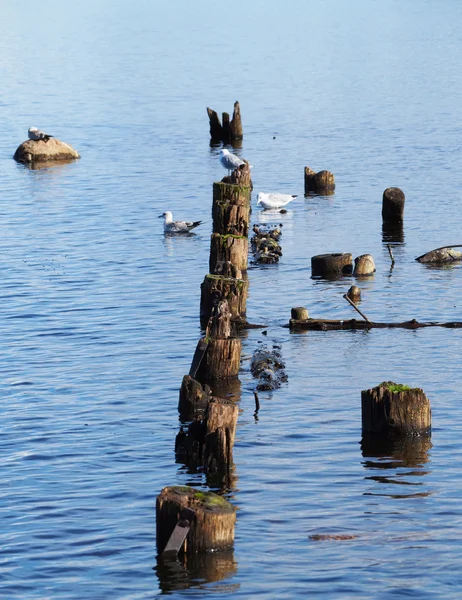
x: 441, y: 255
x: 33, y: 151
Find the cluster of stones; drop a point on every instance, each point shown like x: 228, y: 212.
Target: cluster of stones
x: 269, y: 368
x: 265, y: 244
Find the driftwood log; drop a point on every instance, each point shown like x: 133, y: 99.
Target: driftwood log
x: 211, y: 518
x: 229, y: 131
x: 331, y: 265
x: 396, y: 410
x: 335, y: 324
x: 393, y: 205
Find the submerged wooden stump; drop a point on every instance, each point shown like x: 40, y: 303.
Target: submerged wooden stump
x: 393, y: 205
x: 354, y: 293
x: 229, y: 131
x: 320, y: 183
x: 211, y: 518
x: 364, y: 265
x: 394, y: 409
x: 326, y: 265
x: 229, y: 248
x: 231, y: 209
x: 300, y: 313
x: 217, y: 287
x: 194, y: 399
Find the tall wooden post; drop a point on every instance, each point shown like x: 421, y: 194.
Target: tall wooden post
x: 393, y: 205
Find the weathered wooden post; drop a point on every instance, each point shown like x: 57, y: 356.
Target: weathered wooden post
x: 364, y: 265
x: 299, y: 313
x: 328, y: 265
x: 395, y: 409
x: 319, y: 183
x: 231, y: 208
x: 232, y: 288
x: 229, y: 132
x: 211, y: 519
x: 228, y: 248
x: 223, y: 355
x: 354, y: 293
x: 393, y: 205
x: 220, y: 433
x: 194, y: 399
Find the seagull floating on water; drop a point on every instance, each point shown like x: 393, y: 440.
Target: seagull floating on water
x: 35, y: 134
x: 171, y: 226
x: 230, y: 161
x: 274, y: 200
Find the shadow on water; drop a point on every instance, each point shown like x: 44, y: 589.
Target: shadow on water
x: 196, y: 570
x: 394, y: 455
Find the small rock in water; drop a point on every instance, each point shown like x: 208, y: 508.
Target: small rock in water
x: 268, y: 367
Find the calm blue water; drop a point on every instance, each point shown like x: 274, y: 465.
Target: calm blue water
x: 100, y: 311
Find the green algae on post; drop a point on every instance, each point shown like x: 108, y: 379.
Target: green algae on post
x: 395, y: 409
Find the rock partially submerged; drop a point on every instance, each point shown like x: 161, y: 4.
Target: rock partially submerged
x: 269, y: 367
x: 265, y: 244
x: 440, y: 255
x: 33, y: 151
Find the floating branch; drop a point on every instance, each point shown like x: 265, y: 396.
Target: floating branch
x: 334, y: 324
x: 347, y: 298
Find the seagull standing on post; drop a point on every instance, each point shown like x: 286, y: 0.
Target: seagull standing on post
x: 230, y: 161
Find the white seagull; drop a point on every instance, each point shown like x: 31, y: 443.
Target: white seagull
x: 35, y: 134
x: 230, y: 161
x: 171, y: 226
x: 274, y: 200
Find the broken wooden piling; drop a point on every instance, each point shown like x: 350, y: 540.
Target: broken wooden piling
x: 322, y: 183
x: 364, y: 266
x: 331, y: 265
x: 211, y: 519
x: 230, y: 130
x: 393, y: 205
x: 395, y: 409
x: 233, y: 289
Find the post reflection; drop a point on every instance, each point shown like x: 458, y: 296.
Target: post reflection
x: 396, y: 464
x: 196, y: 570
x: 392, y: 233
